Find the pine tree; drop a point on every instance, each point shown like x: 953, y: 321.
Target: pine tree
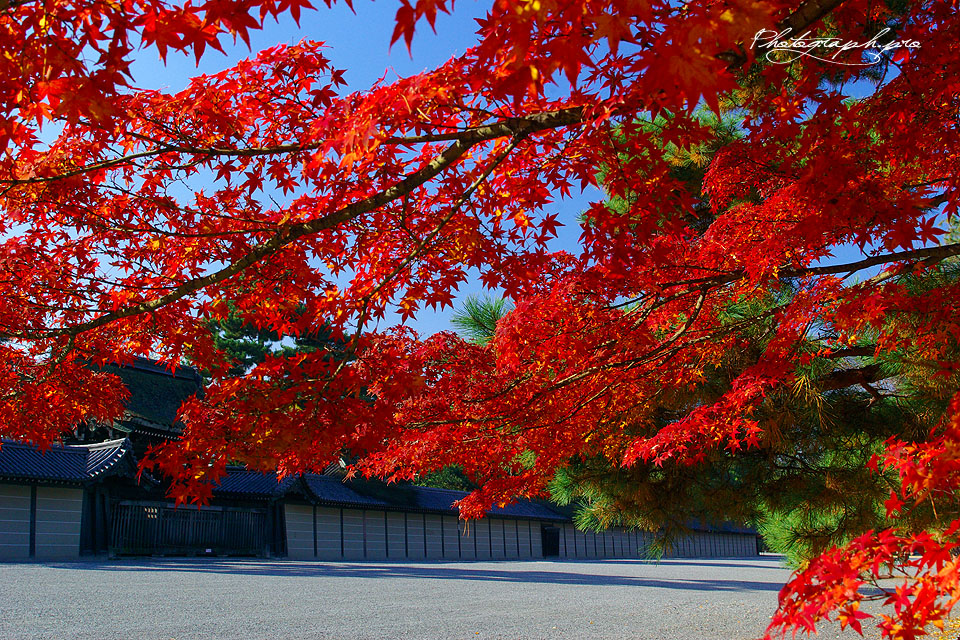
x: 810, y: 485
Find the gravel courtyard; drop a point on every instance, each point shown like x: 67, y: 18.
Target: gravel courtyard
x: 682, y: 599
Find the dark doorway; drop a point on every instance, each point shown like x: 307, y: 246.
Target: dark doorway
x: 550, y: 536
x: 151, y: 528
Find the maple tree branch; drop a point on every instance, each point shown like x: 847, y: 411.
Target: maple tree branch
x: 849, y: 377
x: 473, y: 135
x: 934, y: 254
x: 926, y: 254
x: 429, y: 137
x: 514, y: 127
x: 626, y: 364
x: 423, y: 243
x: 840, y: 379
x: 683, y: 329
x: 875, y: 395
x: 931, y: 254
x: 805, y: 15
x: 808, y: 13
x: 661, y: 352
x: 852, y: 352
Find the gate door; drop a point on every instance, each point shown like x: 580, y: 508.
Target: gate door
x: 153, y: 528
x: 551, y: 541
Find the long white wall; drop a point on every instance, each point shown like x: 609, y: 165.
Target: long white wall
x: 355, y: 534
x: 621, y: 543
x: 327, y: 533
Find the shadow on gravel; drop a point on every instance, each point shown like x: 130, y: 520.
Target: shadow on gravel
x: 399, y: 571
x: 718, y: 563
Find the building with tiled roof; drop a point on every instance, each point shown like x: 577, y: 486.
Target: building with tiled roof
x: 86, y: 498
x: 54, y: 503
x: 150, y: 413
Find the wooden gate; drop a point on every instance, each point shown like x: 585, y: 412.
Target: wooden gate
x: 153, y: 528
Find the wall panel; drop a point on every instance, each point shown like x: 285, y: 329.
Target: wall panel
x: 375, y: 525
x: 59, y: 510
x: 328, y: 533
x: 468, y: 538
x: 536, y: 539
x: 14, y: 522
x: 415, y: 538
x: 568, y: 541
x: 353, y: 526
x: 451, y: 537
x: 523, y: 531
x: 396, y: 538
x: 589, y: 546
x: 481, y: 529
x: 497, y: 538
x: 511, y: 541
x: 435, y: 543
x: 299, y: 520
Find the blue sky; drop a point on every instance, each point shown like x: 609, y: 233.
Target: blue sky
x: 359, y: 43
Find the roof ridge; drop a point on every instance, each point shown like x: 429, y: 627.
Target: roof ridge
x: 121, y: 448
x: 243, y: 467
x: 174, y: 370
x: 106, y: 444
x: 26, y: 444
x: 133, y: 416
x: 417, y: 486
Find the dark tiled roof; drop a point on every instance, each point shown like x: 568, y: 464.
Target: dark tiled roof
x: 136, y: 425
x: 333, y: 489
x: 330, y: 490
x: 252, y: 484
x: 156, y: 392
x: 720, y: 527
x: 528, y: 509
x: 437, y: 499
x: 441, y: 500
x: 107, y: 458
x: 74, y: 464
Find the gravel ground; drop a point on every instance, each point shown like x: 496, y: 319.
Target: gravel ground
x: 163, y: 599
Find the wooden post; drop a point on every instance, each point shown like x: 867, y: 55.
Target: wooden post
x: 33, y: 522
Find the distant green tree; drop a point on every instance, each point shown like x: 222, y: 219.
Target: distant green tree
x: 808, y: 485
x: 450, y: 477
x: 477, y: 319
x: 247, y: 346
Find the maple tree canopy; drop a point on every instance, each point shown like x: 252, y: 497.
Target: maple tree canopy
x: 137, y: 217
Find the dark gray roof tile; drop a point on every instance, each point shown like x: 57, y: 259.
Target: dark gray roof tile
x: 108, y: 457
x: 431, y: 499
x: 156, y: 392
x: 73, y: 464
x: 333, y: 489
x: 254, y: 484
